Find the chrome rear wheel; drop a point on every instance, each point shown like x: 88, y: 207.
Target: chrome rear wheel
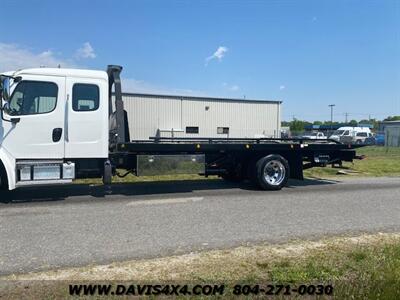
x: 271, y: 172
x: 274, y: 172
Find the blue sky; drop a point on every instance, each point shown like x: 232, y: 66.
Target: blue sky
x: 308, y: 54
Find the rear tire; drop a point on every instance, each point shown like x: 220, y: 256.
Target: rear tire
x: 272, y: 172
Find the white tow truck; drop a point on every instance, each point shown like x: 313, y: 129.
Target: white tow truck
x: 61, y: 124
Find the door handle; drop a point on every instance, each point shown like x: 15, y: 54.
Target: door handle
x: 57, y: 133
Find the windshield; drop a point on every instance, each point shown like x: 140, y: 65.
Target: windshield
x: 338, y: 132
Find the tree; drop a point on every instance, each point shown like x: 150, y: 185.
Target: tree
x: 394, y: 118
x: 353, y: 123
x: 330, y: 123
x: 298, y: 125
x: 373, y: 122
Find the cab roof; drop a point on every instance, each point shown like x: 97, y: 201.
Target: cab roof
x: 64, y: 72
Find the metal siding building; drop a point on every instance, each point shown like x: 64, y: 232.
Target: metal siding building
x: 392, y: 133
x: 166, y: 116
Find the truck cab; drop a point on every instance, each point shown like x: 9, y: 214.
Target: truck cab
x: 53, y: 120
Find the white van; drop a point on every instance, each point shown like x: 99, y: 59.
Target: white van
x: 348, y: 134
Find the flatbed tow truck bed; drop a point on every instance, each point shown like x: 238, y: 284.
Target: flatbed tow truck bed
x: 268, y: 162
x: 215, y: 145
x: 236, y: 159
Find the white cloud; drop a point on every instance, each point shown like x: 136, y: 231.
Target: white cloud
x: 14, y: 57
x: 282, y: 87
x: 232, y: 88
x: 86, y: 51
x: 219, y: 54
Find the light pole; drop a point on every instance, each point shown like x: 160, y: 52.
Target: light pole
x: 331, y: 106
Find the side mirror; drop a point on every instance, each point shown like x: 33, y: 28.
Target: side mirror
x: 5, y: 88
x: 6, y: 108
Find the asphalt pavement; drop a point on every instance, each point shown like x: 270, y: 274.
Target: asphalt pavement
x: 47, y: 228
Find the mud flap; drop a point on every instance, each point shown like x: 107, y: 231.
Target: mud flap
x: 107, y: 175
x: 296, y: 167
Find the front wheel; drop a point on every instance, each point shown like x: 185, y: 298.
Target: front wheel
x: 272, y: 172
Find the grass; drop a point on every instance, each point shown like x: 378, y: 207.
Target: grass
x: 379, y: 161
x: 363, y: 267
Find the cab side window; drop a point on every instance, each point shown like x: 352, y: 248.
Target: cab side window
x: 85, y: 97
x: 33, y: 97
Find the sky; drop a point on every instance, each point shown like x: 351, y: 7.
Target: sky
x: 308, y: 54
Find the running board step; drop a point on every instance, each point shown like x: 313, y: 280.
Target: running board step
x: 43, y: 182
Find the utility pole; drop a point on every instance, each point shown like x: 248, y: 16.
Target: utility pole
x: 331, y: 106
x: 346, y: 117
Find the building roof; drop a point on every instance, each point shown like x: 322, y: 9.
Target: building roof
x: 391, y: 123
x: 201, y: 98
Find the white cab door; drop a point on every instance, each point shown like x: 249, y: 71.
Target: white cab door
x: 39, y: 103
x: 87, y: 118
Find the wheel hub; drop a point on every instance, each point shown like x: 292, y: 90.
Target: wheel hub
x: 274, y: 172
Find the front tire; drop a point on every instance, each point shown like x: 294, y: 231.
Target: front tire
x: 272, y: 172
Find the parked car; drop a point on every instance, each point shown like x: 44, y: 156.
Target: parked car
x: 380, y: 139
x: 364, y: 138
x: 370, y: 140
x: 348, y: 134
x: 315, y: 136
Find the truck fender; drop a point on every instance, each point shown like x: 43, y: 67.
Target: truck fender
x: 7, y: 162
